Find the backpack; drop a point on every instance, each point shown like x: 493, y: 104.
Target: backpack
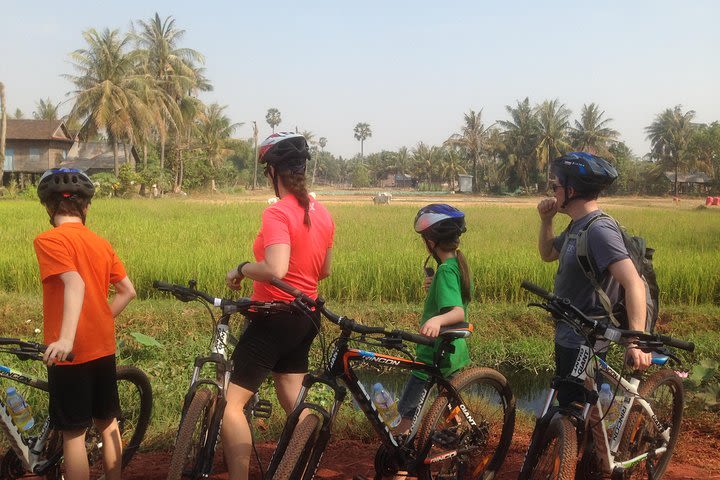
x: 641, y: 256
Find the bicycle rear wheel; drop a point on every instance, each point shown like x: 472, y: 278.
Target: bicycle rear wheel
x: 481, y: 448
x: 192, y: 437
x: 663, y: 390
x: 555, y: 455
x: 293, y: 463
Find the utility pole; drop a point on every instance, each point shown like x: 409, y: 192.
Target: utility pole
x: 255, y: 137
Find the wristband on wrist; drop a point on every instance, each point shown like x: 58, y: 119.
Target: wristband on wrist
x: 239, y: 268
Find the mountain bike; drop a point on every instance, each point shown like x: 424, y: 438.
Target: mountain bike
x: 648, y: 424
x: 465, y: 433
x: 39, y: 450
x: 204, y: 402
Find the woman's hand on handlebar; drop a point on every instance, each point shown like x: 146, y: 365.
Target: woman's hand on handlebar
x: 233, y: 279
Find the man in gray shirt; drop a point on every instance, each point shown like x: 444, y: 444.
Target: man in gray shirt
x: 578, y: 179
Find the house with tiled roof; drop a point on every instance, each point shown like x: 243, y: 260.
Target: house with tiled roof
x: 33, y: 146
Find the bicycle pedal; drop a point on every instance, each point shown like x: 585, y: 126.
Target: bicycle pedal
x: 262, y: 409
x: 444, y: 438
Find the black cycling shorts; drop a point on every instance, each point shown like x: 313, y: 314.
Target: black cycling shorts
x: 277, y: 343
x: 83, y: 392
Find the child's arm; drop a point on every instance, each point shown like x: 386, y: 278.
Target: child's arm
x: 124, y: 293
x: 431, y: 328
x: 72, y: 306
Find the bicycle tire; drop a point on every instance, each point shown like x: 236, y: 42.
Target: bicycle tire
x: 191, y: 436
x: 488, y: 397
x: 554, y: 457
x: 640, y: 432
x: 292, y: 464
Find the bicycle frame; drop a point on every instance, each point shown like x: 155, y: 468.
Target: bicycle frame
x: 340, y: 367
x: 28, y: 449
x: 584, y: 369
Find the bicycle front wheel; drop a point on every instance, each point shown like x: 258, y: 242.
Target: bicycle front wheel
x: 192, y: 437
x: 663, y: 390
x: 555, y: 455
x: 293, y: 462
x: 480, y: 449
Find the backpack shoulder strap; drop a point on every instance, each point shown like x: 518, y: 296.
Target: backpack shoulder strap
x: 589, y: 267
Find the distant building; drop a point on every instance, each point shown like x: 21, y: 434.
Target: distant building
x: 465, y: 183
x: 33, y: 146
x: 689, y: 183
x: 96, y: 157
x: 398, y: 180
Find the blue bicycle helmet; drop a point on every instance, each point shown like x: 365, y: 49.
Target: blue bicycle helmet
x: 65, y: 182
x: 439, y: 221
x: 586, y: 173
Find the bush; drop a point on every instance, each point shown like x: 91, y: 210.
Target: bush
x: 106, y: 184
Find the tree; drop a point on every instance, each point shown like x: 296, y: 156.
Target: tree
x: 552, y: 119
x: 450, y: 165
x: 322, y: 142
x: 521, y: 134
x: 108, y: 94
x: 425, y: 161
x: 591, y: 133
x: 472, y: 140
x: 3, y: 130
x: 272, y: 117
x: 46, y: 110
x: 18, y: 115
x: 402, y: 161
x: 362, y: 132
x: 669, y: 137
x: 704, y: 149
x: 214, y: 129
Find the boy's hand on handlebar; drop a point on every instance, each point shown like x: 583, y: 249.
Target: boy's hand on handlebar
x: 636, y: 358
x: 431, y: 328
x: 233, y: 279
x: 57, y: 351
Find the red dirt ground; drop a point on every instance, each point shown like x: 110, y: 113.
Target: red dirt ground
x: 696, y: 457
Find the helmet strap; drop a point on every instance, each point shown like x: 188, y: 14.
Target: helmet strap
x: 432, y: 250
x: 273, y: 174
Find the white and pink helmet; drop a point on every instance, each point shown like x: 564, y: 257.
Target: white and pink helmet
x: 285, y: 151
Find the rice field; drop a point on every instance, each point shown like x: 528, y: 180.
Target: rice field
x: 377, y: 256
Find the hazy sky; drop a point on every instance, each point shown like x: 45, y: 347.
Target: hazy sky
x: 410, y: 69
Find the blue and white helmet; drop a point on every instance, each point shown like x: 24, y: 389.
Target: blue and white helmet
x: 439, y: 221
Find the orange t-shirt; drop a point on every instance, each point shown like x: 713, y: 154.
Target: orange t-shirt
x: 282, y: 223
x: 72, y: 247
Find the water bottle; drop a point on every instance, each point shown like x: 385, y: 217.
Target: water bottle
x: 19, y: 410
x: 386, y: 406
x: 605, y: 396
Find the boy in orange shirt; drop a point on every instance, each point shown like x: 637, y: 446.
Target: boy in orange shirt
x: 77, y: 267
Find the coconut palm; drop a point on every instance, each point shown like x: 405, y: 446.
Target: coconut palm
x: 322, y: 142
x: 108, y: 95
x: 553, y: 121
x: 214, y: 128
x: 425, y: 161
x: 3, y: 130
x: 362, y: 132
x: 18, y: 115
x: 521, y: 136
x: 171, y: 68
x: 450, y: 165
x: 669, y: 137
x: 591, y: 133
x: 402, y: 161
x: 46, y: 110
x: 272, y: 117
x: 472, y: 140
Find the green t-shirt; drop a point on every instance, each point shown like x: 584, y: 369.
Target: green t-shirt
x: 443, y: 294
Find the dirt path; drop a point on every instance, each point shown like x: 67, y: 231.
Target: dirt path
x: 696, y: 457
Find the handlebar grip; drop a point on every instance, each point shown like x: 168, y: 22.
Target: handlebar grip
x: 537, y: 290
x: 415, y: 338
x: 165, y: 287
x: 677, y: 343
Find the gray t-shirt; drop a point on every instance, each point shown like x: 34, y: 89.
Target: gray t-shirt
x: 605, y: 246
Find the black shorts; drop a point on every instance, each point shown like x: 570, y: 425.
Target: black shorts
x: 277, y: 343
x: 81, y: 393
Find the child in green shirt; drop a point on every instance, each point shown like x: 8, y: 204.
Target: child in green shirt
x: 449, y: 288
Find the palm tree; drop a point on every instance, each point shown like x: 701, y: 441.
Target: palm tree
x: 108, y: 95
x: 3, y: 130
x: 272, y: 117
x: 553, y: 121
x: 425, y: 161
x: 521, y: 134
x: 362, y: 132
x: 450, y: 165
x: 322, y: 141
x: 172, y: 69
x: 214, y: 129
x: 669, y: 137
x: 46, y: 110
x: 402, y: 160
x: 472, y: 140
x: 18, y: 115
x: 591, y: 133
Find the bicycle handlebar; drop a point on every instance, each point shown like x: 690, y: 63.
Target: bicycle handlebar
x: 29, y: 349
x: 561, y: 306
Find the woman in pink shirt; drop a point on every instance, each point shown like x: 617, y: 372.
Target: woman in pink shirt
x: 294, y: 244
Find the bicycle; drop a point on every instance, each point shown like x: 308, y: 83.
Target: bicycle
x: 648, y: 424
x: 466, y: 432
x: 204, y: 402
x: 39, y: 451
